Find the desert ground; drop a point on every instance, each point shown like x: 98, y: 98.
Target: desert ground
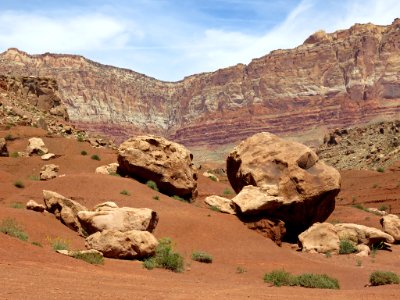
x: 241, y: 256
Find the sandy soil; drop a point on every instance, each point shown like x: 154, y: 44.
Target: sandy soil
x: 31, y: 272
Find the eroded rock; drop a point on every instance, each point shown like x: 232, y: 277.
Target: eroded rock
x: 33, y: 205
x: 360, y: 234
x: 3, y: 147
x: 222, y: 204
x: 49, y: 172
x: 391, y: 225
x: 109, y: 169
x: 321, y: 238
x: 36, y: 146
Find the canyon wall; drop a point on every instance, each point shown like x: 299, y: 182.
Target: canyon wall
x: 332, y: 80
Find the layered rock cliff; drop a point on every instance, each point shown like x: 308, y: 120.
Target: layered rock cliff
x: 339, y: 79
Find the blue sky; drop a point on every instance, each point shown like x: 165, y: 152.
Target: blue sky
x: 169, y: 39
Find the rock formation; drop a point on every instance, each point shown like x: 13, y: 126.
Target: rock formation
x: 166, y: 163
x: 335, y: 80
x: 36, y: 146
x: 3, y: 147
x: 391, y: 225
x: 220, y: 203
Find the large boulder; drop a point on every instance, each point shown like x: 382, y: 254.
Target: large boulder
x: 49, y: 171
x: 66, y: 210
x: 222, y: 204
x: 301, y: 188
x: 36, y: 146
x: 360, y: 234
x: 321, y: 238
x: 121, y: 219
x: 391, y: 225
x: 129, y: 244
x: 3, y: 147
x: 166, y: 163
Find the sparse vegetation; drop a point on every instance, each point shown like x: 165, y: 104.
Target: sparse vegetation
x: 17, y: 205
x: 125, y: 192
x: 59, y: 244
x: 283, y: 278
x: 346, y: 247
x: 380, y: 170
x: 156, y: 197
x: 240, y: 270
x: 358, y: 262
x: 83, y: 152
x: 34, y: 177
x: 91, y: 258
x: 165, y: 258
x: 12, y: 228
x: 19, y: 184
x: 213, y: 178
x: 80, y: 138
x: 151, y: 184
x: 328, y: 255
x: 95, y: 157
x: 382, y: 278
x: 176, y: 197
x: 375, y: 186
x: 14, y: 154
x: 214, y: 208
x: 202, y: 257
x: 37, y: 244
x: 9, y: 137
x: 383, y: 207
x: 228, y: 191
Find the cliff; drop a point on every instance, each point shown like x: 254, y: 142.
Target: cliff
x: 339, y: 79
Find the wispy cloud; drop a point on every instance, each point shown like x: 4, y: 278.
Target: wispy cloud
x: 172, y: 39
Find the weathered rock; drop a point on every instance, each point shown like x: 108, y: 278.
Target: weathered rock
x: 363, y: 250
x: 48, y: 172
x: 79, y: 252
x: 121, y: 219
x: 166, y: 163
x: 105, y: 206
x: 109, y: 169
x: 391, y: 225
x: 33, y: 205
x: 222, y: 204
x: 360, y: 234
x: 117, y: 244
x: 48, y: 156
x: 272, y: 229
x: 321, y: 238
x: 299, y: 189
x: 3, y: 147
x: 66, y: 210
x: 36, y: 146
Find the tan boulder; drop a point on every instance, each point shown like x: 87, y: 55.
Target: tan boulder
x: 166, y: 163
x: 391, y: 225
x: 360, y: 234
x: 121, y: 219
x: 109, y: 169
x: 129, y: 244
x: 48, y: 156
x: 105, y: 206
x: 49, y: 171
x: 321, y: 238
x: 306, y: 187
x: 66, y: 210
x: 363, y: 250
x: 3, y: 147
x: 33, y: 205
x: 36, y: 146
x: 222, y: 204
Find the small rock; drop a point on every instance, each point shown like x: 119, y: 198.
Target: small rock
x: 3, y: 147
x: 33, y: 205
x: 222, y: 204
x: 109, y: 169
x: 48, y: 172
x: 363, y: 250
x: 36, y: 146
x: 48, y: 156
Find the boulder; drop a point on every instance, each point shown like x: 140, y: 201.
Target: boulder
x: 321, y: 238
x: 271, y: 229
x: 66, y: 210
x: 391, y: 225
x: 363, y: 250
x: 36, y: 146
x: 121, y: 219
x: 105, y: 206
x: 3, y: 147
x: 48, y: 172
x: 109, y: 169
x: 48, y: 156
x: 33, y: 205
x: 166, y: 163
x: 133, y: 244
x: 302, y: 189
x: 360, y: 234
x: 222, y: 204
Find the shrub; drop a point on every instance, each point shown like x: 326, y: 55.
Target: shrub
x: 83, y: 152
x: 91, y: 258
x: 202, y: 257
x: 383, y: 207
x: 382, y: 278
x: 9, y: 137
x: 214, y: 208
x: 165, y: 258
x: 228, y: 191
x: 59, y: 244
x: 18, y: 205
x: 240, y: 270
x: 213, y: 178
x: 19, y: 184
x: 10, y: 226
x: 156, y: 197
x: 37, y: 244
x: 380, y: 170
x: 151, y: 184
x: 14, y: 154
x: 34, y: 177
x: 95, y: 157
x: 283, y: 278
x: 176, y: 197
x: 125, y: 192
x: 80, y: 138
x: 346, y: 247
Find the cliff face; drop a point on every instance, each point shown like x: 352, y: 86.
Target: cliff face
x: 339, y: 79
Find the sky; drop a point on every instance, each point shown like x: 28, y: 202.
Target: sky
x: 171, y: 39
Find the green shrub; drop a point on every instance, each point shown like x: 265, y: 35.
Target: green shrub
x: 202, y: 257
x: 125, y: 192
x: 156, y: 197
x: 383, y: 207
x: 380, y: 170
x: 34, y: 177
x: 165, y: 258
x: 283, y: 278
x: 280, y: 278
x: 18, y: 205
x: 382, y: 278
x: 80, y: 138
x: 37, y: 244
x: 59, y: 244
x: 346, y: 247
x: 19, y: 184
x: 10, y: 226
x: 176, y: 197
x: 214, y: 208
x: 228, y: 191
x: 213, y: 178
x: 151, y: 184
x: 83, y: 152
x: 14, y: 154
x: 91, y: 258
x: 9, y: 137
x: 95, y: 157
